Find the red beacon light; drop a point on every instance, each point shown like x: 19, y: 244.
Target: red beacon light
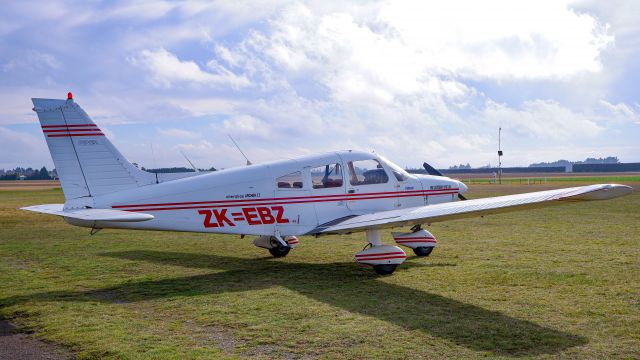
x: 69, y: 96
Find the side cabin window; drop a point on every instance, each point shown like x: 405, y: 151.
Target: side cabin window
x: 327, y: 176
x: 367, y: 172
x: 290, y: 181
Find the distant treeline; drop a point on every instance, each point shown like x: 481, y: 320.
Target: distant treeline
x: 490, y: 170
x: 27, y: 174
x: 566, y: 163
x: 21, y: 173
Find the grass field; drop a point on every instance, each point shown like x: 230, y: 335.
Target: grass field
x: 561, y: 282
x: 524, y: 179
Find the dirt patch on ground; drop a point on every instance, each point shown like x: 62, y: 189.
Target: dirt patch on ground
x: 19, y: 346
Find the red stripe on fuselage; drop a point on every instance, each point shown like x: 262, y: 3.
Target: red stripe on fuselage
x: 268, y: 201
x: 283, y: 201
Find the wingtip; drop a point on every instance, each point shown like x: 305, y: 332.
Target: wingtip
x: 605, y: 192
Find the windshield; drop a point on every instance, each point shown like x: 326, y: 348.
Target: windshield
x: 398, y: 172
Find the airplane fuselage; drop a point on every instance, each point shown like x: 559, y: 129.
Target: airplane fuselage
x: 288, y: 197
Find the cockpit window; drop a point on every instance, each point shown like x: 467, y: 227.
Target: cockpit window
x: 290, y: 181
x: 398, y: 172
x: 327, y: 176
x: 366, y: 172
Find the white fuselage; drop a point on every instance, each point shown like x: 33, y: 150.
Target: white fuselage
x: 288, y: 197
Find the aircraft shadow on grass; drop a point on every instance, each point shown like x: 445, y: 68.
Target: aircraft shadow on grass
x: 338, y: 284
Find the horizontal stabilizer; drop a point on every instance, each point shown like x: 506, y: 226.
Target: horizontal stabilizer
x: 90, y: 214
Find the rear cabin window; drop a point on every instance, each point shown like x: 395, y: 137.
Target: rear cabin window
x: 290, y: 181
x: 327, y: 176
x: 367, y: 172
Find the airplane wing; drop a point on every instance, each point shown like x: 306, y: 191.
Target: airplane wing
x: 471, y: 208
x: 90, y: 214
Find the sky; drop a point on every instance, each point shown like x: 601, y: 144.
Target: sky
x: 415, y: 81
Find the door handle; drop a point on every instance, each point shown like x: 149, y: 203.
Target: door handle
x: 351, y: 191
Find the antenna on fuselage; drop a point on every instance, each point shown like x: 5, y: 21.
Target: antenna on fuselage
x: 155, y: 165
x: 189, y: 161
x: 238, y: 147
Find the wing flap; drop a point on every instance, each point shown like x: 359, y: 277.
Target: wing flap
x: 90, y: 214
x: 475, y: 207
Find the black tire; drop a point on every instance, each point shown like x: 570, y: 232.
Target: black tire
x: 386, y: 269
x: 423, y: 250
x: 279, y: 251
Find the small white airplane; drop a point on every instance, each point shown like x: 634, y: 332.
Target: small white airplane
x: 333, y: 193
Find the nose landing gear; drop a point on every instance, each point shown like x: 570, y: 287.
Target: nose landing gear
x: 421, y: 241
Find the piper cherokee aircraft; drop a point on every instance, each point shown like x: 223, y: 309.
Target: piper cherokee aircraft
x: 333, y: 193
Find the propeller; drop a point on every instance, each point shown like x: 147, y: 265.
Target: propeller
x: 433, y: 171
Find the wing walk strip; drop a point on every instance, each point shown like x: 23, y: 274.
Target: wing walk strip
x: 72, y: 130
x: 282, y: 201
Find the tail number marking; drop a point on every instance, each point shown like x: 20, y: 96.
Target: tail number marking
x: 260, y: 215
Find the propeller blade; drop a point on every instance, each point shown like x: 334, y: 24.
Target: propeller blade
x: 431, y: 170
x: 461, y: 197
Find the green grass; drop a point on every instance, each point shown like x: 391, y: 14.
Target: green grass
x: 559, y: 282
x: 537, y: 179
x: 597, y: 179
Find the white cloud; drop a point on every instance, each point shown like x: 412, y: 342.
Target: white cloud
x: 417, y: 81
x: 246, y: 124
x: 23, y: 146
x: 166, y: 69
x: 177, y: 133
x: 412, y: 47
x: 32, y: 60
x: 144, y: 10
x: 541, y: 119
x: 621, y: 112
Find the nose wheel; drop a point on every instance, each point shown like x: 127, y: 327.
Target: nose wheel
x: 423, y: 250
x: 419, y: 240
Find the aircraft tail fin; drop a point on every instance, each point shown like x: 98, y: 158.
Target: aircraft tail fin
x: 87, y: 163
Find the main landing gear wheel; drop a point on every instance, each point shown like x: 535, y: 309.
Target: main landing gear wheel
x: 386, y: 269
x: 423, y: 250
x: 279, y: 251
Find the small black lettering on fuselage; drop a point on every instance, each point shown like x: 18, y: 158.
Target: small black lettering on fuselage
x: 440, y: 187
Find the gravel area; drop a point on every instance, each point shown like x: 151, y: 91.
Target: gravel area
x: 19, y: 346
